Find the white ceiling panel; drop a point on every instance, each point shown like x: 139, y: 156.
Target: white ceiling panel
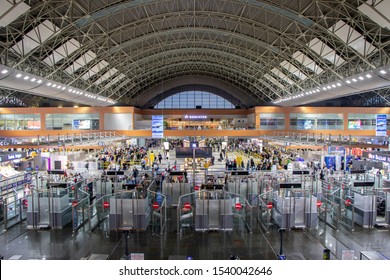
x: 95, y: 69
x: 81, y: 61
x: 325, y: 51
x: 9, y: 12
x: 35, y: 37
x: 352, y: 38
x: 106, y: 76
x: 293, y: 70
x: 62, y: 51
x: 273, y: 80
x: 115, y: 80
x: 307, y: 62
x: 377, y: 11
x: 281, y: 75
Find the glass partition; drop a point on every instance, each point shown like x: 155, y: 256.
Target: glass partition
x: 271, y: 121
x: 20, y: 121
x: 316, y: 121
x: 361, y: 121
x: 72, y: 121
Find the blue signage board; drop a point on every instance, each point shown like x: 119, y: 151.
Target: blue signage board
x: 336, y: 150
x: 157, y: 126
x: 381, y: 125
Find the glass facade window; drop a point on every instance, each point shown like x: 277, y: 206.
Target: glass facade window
x: 361, y: 121
x: 271, y: 121
x: 191, y: 99
x: 20, y: 121
x: 72, y: 121
x: 316, y: 121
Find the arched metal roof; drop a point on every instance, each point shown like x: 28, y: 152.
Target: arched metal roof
x: 258, y: 51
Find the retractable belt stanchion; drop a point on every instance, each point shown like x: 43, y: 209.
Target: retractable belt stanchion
x: 281, y: 255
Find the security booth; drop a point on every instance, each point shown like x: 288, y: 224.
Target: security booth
x: 364, y: 201
x: 175, y: 185
x: 50, y: 207
x: 213, y: 208
x: 382, y: 205
x: 244, y: 183
x: 130, y: 208
x: 110, y: 182
x: 294, y: 207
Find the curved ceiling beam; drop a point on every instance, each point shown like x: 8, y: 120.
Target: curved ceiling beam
x: 223, y: 72
x: 153, y: 95
x: 110, y: 11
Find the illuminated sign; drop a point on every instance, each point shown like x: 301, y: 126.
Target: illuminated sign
x: 12, y: 156
x: 376, y: 156
x: 189, y: 117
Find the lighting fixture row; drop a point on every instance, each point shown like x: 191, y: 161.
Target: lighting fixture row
x: 26, y: 77
x: 349, y: 81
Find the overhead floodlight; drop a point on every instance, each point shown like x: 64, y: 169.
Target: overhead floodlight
x: 354, y: 80
x: 361, y: 78
x: 18, y: 75
x: 5, y: 71
x: 382, y: 72
x: 26, y: 78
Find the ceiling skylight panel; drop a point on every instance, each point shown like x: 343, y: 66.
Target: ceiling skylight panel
x: 35, y: 37
x: 307, y: 62
x: 352, y: 38
x: 62, y: 52
x: 325, y: 51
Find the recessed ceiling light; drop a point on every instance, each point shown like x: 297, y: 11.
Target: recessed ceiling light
x: 369, y: 76
x: 18, y: 75
x: 59, y: 86
x: 39, y: 81
x: 382, y: 72
x: 348, y: 81
x: 354, y: 80
x: 26, y: 78
x: 48, y: 84
x: 333, y: 86
x: 54, y: 85
x: 328, y: 87
x: 361, y: 78
x: 33, y: 80
x: 338, y: 84
x: 4, y: 71
x: 324, y: 88
x: 63, y: 88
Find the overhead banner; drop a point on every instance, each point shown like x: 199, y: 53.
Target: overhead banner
x: 381, y: 125
x: 157, y: 126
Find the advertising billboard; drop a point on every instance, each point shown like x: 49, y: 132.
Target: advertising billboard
x: 157, y: 126
x: 381, y: 125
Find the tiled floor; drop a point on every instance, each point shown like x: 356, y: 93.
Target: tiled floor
x: 20, y: 243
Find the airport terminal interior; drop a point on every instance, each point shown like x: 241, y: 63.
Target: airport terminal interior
x: 194, y: 130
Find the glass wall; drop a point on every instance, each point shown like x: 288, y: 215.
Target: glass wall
x: 271, y: 121
x: 20, y: 121
x: 316, y: 121
x: 361, y: 121
x: 192, y: 99
x: 72, y: 121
